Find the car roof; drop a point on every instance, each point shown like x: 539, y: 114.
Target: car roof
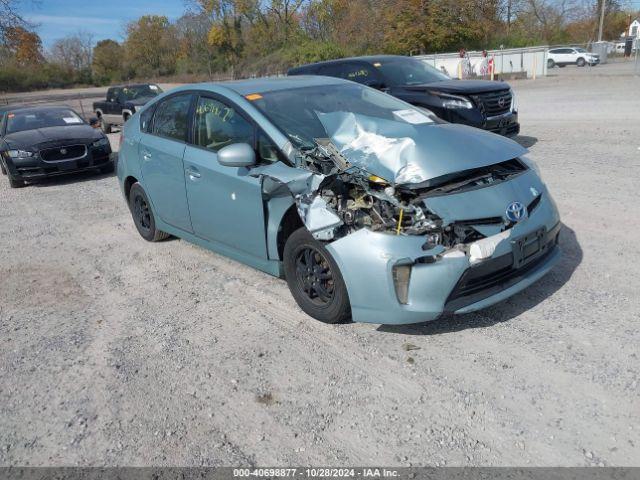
x: 371, y: 59
x: 272, y: 84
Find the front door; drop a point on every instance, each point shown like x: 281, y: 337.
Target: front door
x: 225, y: 203
x: 161, y: 154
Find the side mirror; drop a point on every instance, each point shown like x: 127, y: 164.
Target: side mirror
x: 94, y: 122
x: 237, y: 155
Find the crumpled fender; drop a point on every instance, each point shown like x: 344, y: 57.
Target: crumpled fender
x: 281, y: 180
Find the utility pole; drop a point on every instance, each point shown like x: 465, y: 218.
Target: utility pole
x: 601, y: 21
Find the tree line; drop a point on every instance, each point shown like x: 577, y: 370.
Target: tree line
x: 239, y: 38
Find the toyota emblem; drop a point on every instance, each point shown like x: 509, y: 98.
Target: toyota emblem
x: 63, y: 151
x: 516, y: 211
x: 501, y: 102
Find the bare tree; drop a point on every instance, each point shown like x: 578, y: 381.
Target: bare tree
x: 73, y: 52
x: 10, y: 18
x: 551, y: 16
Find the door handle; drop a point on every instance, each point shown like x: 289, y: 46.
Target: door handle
x: 146, y: 155
x: 193, y: 173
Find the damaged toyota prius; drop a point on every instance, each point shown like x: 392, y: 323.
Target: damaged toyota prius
x: 372, y: 209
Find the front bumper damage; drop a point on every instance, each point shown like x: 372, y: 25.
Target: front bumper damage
x: 428, y: 248
x: 433, y: 280
x: 440, y: 281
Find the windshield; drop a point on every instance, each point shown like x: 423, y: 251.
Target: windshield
x: 302, y: 113
x: 370, y: 129
x: 139, y: 91
x: 409, y: 71
x: 580, y: 50
x: 33, y: 119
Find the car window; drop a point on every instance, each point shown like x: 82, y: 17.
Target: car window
x: 356, y: 72
x: 218, y: 125
x: 171, y: 118
x: 145, y: 119
x: 267, y: 150
x: 140, y: 91
x: 112, y: 94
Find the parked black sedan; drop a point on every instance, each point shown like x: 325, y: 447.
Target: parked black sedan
x: 38, y: 142
x: 479, y: 103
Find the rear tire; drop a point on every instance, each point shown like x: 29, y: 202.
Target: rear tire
x: 4, y: 172
x: 142, y: 214
x: 551, y: 63
x: 16, y: 182
x: 314, y: 279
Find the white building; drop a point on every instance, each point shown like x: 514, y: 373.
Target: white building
x: 634, y: 29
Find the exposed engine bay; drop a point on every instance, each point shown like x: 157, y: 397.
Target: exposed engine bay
x: 348, y: 199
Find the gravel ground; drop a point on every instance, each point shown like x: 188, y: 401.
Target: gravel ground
x: 115, y: 351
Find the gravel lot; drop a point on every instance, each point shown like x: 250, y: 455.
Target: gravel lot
x: 115, y: 351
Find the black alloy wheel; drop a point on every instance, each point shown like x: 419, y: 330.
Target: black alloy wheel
x: 313, y: 273
x: 143, y: 215
x: 314, y: 278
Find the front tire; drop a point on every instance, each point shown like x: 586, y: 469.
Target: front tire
x: 143, y: 215
x: 16, y: 182
x: 314, y: 279
x: 580, y: 62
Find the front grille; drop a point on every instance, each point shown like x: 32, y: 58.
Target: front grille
x: 494, y: 103
x: 67, y: 152
x: 494, y: 275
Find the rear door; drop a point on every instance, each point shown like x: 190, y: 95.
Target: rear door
x: 161, y: 153
x: 225, y: 203
x: 567, y: 55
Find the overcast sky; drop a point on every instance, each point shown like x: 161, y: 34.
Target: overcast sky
x: 102, y: 18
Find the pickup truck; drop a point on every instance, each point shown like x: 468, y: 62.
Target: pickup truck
x: 121, y: 103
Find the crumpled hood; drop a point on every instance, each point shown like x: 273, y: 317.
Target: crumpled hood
x: 33, y: 138
x: 407, y: 153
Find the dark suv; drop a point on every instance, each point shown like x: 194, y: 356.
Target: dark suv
x: 479, y: 103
